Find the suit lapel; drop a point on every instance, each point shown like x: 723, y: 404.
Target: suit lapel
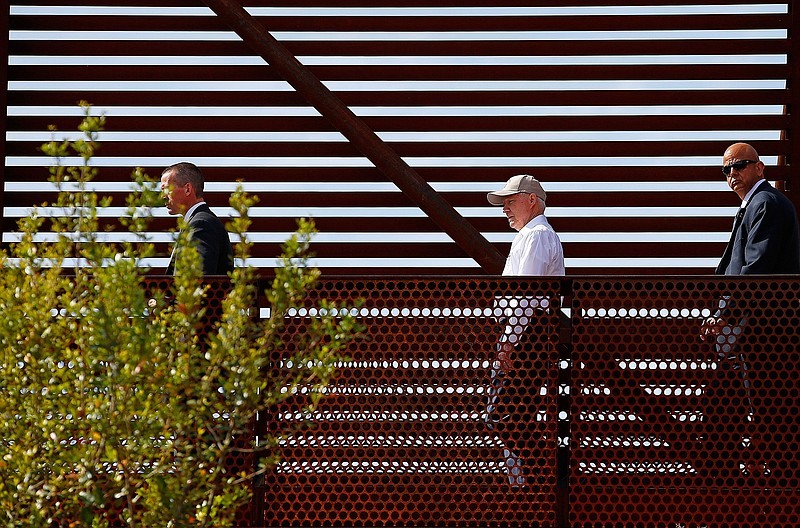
x: 171, y: 266
x: 199, y: 208
x: 726, y: 257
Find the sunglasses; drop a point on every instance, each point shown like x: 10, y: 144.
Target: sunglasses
x: 738, y: 165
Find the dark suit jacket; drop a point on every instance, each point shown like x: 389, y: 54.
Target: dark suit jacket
x: 211, y: 239
x: 766, y: 240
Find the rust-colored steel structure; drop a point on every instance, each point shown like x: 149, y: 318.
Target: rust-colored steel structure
x: 623, y: 110
x: 609, y: 410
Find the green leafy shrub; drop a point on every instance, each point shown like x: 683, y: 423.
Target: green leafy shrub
x: 116, y: 407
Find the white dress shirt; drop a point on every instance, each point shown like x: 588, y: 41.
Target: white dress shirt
x: 750, y: 193
x: 188, y: 214
x: 536, y: 250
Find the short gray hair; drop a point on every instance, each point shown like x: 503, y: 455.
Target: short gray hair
x: 185, y: 172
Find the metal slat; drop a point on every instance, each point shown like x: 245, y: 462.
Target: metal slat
x: 124, y: 47
x: 412, y: 73
x: 585, y: 103
x: 431, y: 23
x: 433, y: 149
x: 592, y: 174
x: 443, y: 123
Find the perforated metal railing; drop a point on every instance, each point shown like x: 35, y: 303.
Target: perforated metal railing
x: 670, y: 430
x: 613, y: 407
x: 403, y: 439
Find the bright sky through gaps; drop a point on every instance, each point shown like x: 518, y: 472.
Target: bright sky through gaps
x: 635, y: 166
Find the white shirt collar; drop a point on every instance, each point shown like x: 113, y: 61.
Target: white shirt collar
x: 751, y: 191
x: 536, y: 220
x: 191, y: 210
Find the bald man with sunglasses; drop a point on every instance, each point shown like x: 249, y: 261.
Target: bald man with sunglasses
x: 765, y: 240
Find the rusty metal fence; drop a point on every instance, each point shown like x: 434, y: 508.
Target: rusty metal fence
x: 609, y: 410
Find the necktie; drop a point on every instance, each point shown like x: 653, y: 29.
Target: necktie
x: 738, y: 218
x: 722, y: 268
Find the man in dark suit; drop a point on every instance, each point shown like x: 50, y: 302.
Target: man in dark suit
x: 182, y: 187
x: 765, y: 240
x: 765, y: 236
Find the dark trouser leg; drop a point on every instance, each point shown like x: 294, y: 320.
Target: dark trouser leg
x: 727, y: 409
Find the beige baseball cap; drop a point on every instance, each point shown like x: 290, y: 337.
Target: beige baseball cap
x: 521, y: 183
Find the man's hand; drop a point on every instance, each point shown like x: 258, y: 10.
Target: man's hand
x: 504, y: 351
x: 711, y: 328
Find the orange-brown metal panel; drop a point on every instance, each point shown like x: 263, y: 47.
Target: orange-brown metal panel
x: 670, y: 430
x: 403, y: 439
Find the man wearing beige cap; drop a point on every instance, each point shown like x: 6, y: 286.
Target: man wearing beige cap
x: 536, y: 250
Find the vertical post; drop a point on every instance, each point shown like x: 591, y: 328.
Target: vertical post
x: 4, y: 39
x: 359, y: 134
x: 564, y: 418
x: 791, y: 186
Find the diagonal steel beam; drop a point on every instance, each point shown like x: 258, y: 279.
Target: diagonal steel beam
x: 358, y: 133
